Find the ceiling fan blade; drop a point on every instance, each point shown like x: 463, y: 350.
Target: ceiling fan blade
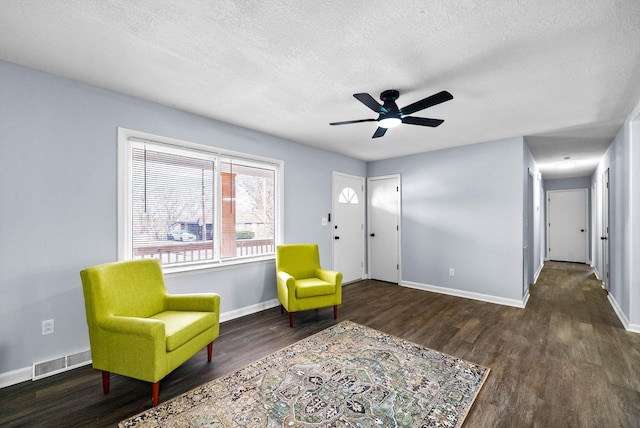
x: 346, y: 122
x: 379, y: 132
x: 370, y: 102
x: 422, y: 121
x: 438, y: 98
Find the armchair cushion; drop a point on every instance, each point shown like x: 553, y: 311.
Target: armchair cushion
x: 311, y: 287
x: 180, y: 326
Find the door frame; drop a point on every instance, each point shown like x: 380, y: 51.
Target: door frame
x: 363, y: 248
x: 587, y: 226
x: 397, y: 177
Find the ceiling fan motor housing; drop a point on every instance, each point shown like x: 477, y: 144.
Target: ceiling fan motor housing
x: 389, y: 98
x: 389, y: 95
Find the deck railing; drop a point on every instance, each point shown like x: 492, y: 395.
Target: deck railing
x: 170, y: 252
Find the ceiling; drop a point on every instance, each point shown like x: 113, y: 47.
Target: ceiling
x: 563, y: 74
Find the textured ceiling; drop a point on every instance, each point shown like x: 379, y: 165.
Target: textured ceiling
x: 564, y: 74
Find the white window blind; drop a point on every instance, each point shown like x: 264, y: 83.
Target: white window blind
x: 172, y: 206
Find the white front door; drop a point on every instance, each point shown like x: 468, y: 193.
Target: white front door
x: 348, y: 226
x: 384, y: 228
x: 567, y: 225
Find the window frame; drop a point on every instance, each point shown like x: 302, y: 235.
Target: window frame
x: 126, y: 141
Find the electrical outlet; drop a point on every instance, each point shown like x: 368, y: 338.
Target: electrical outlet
x: 452, y: 272
x: 47, y: 327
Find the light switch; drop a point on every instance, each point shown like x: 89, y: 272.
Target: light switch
x: 324, y: 221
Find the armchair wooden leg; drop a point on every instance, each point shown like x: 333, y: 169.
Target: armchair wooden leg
x: 335, y: 312
x: 105, y: 381
x: 290, y: 319
x: 281, y: 309
x: 155, y: 393
x: 209, y: 351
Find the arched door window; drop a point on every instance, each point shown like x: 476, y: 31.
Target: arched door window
x: 348, y: 196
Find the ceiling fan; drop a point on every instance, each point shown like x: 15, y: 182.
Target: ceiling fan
x: 391, y: 116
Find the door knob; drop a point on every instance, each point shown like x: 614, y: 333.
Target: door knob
x: 581, y: 230
x: 336, y: 237
x: 372, y: 234
x: 604, y: 238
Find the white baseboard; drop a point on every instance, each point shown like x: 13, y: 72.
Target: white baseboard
x: 538, y: 272
x: 633, y: 328
x: 15, y: 376
x: 525, y: 300
x: 248, y: 310
x: 468, y: 294
x: 354, y: 281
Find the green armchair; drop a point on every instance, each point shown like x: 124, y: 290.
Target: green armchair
x: 138, y: 330
x: 302, y: 283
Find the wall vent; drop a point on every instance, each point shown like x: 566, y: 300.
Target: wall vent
x: 62, y: 364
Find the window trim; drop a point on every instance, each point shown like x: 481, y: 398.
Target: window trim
x: 124, y: 194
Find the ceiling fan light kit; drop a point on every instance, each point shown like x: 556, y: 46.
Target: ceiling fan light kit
x: 390, y: 116
x: 389, y: 122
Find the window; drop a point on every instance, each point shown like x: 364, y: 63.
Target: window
x: 348, y: 196
x: 193, y: 205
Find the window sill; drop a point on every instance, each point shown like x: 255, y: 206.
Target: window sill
x: 227, y: 264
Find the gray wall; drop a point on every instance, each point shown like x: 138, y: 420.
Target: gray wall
x: 58, y: 196
x: 623, y: 160
x: 568, y: 183
x: 634, y: 220
x: 462, y: 208
x: 616, y: 159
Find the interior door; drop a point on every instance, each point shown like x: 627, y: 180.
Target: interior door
x: 528, y: 253
x: 567, y: 225
x: 384, y: 228
x: 348, y: 226
x: 604, y: 238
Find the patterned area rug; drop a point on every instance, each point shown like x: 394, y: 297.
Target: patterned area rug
x: 348, y: 375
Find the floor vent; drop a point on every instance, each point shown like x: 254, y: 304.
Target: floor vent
x: 57, y: 365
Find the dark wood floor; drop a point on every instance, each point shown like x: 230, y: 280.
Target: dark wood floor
x: 563, y: 361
